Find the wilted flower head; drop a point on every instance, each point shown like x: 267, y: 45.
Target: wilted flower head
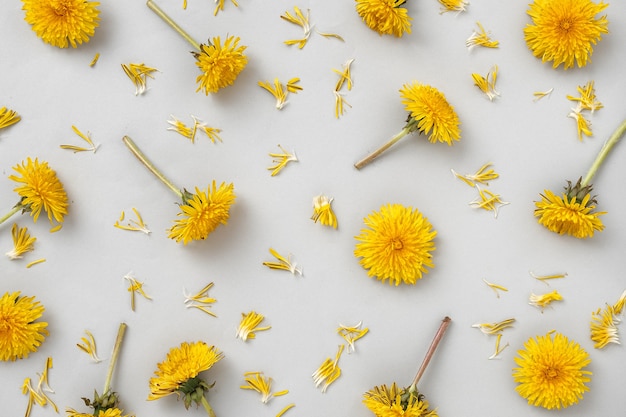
x: 62, y: 23
x: 564, y: 31
x: 20, y: 332
x: 387, y: 17
x: 220, y: 64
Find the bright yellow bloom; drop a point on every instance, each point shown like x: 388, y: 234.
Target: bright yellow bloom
x: 328, y: 371
x: 62, y: 23
x: 564, y: 31
x: 431, y: 113
x: 604, y: 323
x: 392, y: 401
x: 202, y: 212
x: 220, y: 64
x: 8, y: 117
x: 481, y: 37
x: 569, y: 215
x: 397, y: 244
x: 41, y: 189
x: 323, y: 211
x: 387, y: 17
x: 543, y: 300
x: 550, y: 371
x: 109, y: 412
x: 22, y: 242
x: 20, y: 333
x: 179, y: 373
x: 249, y: 325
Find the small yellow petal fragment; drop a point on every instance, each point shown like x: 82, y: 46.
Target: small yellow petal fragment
x: 604, y: 323
x: 323, y: 211
x: 135, y: 286
x: 298, y: 19
x: 281, y: 160
x: 487, y: 84
x: 283, y: 263
x: 95, y: 59
x: 488, y: 200
x: 328, y: 371
x: 541, y: 94
x: 481, y: 37
x: 351, y: 334
x: 256, y: 381
x: 219, y: 6
x: 453, y: 5
x: 546, y: 278
x: 494, y: 328
x: 284, y: 410
x: 495, y: 287
x: 89, y: 346
x: 583, y: 126
x: 35, y: 262
x: 212, y: 133
x: 249, y: 325
x: 543, y: 300
x: 139, y: 74
x: 499, y: 350
x: 483, y: 175
x: 133, y: 225
x: 8, y: 117
x: 22, y: 242
x: 201, y: 300
x: 587, y: 99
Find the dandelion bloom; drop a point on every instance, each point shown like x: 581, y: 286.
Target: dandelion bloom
x: 550, y: 371
x: 386, y: 17
x: 62, y: 22
x: 40, y: 189
x: 564, y: 31
x: 109, y: 412
x: 202, y: 212
x: 179, y: 373
x: 567, y: 214
x: 392, y: 401
x: 20, y: 333
x: 397, y: 244
x: 220, y: 64
x: 431, y: 112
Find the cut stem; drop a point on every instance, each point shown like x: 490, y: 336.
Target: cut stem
x: 156, y: 9
x: 144, y: 160
x: 207, y: 407
x: 431, y: 350
x: 114, y: 355
x: 604, y: 152
x: 405, y: 131
x: 14, y: 210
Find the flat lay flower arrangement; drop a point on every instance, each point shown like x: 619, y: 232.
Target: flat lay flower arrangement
x: 279, y: 208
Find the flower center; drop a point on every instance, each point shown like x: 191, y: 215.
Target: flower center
x: 551, y: 373
x: 565, y: 25
x: 396, y: 244
x: 60, y: 7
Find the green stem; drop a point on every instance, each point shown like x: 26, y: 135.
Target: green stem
x: 14, y: 210
x: 207, y: 407
x: 405, y: 131
x: 144, y: 160
x: 156, y: 9
x: 604, y: 152
x: 114, y: 355
x: 429, y: 354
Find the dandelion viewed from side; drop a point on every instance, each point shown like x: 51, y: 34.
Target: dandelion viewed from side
x: 387, y: 17
x: 62, y: 23
x: 429, y: 113
x: 573, y: 211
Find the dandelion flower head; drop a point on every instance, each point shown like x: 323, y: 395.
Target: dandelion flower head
x: 220, y: 63
x: 392, y: 401
x: 396, y: 245
x: 387, y: 17
x: 430, y: 113
x: 550, y: 372
x: 202, y: 212
x: 40, y: 190
x: 179, y: 372
x: 564, y: 31
x: 570, y: 213
x: 20, y: 332
x: 62, y: 23
x: 109, y: 412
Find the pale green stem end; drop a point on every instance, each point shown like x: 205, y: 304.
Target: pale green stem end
x: 156, y: 9
x: 604, y: 152
x: 207, y: 407
x: 114, y: 356
x: 146, y: 162
x: 383, y: 148
x: 14, y: 210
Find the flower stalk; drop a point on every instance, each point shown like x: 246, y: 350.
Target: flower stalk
x: 207, y: 407
x: 604, y: 152
x: 116, y: 352
x: 368, y: 159
x: 10, y: 214
x: 429, y: 354
x: 148, y: 164
x: 159, y: 12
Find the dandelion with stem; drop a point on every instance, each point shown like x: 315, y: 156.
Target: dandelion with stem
x: 107, y: 404
x: 220, y: 63
x: 572, y: 212
x: 392, y: 401
x: 201, y: 212
x: 429, y: 113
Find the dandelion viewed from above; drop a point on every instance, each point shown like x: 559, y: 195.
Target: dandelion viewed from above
x: 62, y: 23
x: 565, y: 31
x: 550, y: 372
x: 387, y: 17
x: 20, y: 332
x: 396, y: 245
x: 220, y: 63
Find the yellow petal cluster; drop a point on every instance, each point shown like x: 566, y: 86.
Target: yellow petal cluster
x: 220, y: 63
x: 566, y: 215
x: 20, y: 332
x: 387, y: 17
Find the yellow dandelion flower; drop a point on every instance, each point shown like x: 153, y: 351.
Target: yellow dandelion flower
x: 604, y: 323
x: 220, y: 63
x: 569, y: 215
x: 22, y: 242
x: 564, y: 31
x: 8, y: 117
x: 482, y: 38
x: 328, y: 371
x: 397, y: 244
x: 393, y: 401
x: 179, y: 373
x: 429, y: 113
x: 62, y: 23
x: 543, y: 300
x: 453, y: 5
x: 550, y: 372
x: 249, y: 325
x: 220, y: 6
x: 387, y: 17
x: 323, y: 211
x: 40, y: 190
x: 109, y: 412
x: 20, y: 332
